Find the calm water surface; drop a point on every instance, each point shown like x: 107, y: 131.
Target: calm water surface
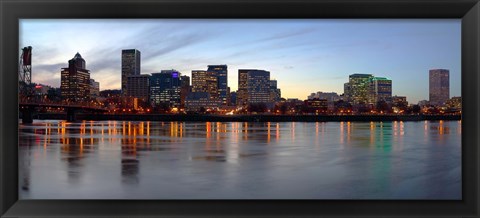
x: 213, y: 160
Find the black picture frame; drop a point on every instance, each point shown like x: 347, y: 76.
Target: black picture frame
x: 13, y: 10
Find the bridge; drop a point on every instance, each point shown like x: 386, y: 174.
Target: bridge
x: 28, y: 102
x: 27, y: 108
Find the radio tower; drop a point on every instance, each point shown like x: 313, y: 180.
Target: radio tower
x: 25, y: 73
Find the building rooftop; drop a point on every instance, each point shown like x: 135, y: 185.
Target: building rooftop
x: 360, y: 75
x: 380, y: 78
x: 78, y: 56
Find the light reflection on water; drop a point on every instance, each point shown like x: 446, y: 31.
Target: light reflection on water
x: 214, y: 160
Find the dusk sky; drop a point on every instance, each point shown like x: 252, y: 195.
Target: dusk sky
x: 304, y: 56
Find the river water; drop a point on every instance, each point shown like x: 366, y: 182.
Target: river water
x: 214, y: 160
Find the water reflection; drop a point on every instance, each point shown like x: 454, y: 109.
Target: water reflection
x: 75, y: 144
x: 235, y: 152
x: 76, y: 139
x: 129, y: 144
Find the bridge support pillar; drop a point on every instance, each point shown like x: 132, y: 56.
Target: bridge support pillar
x: 27, y: 114
x: 71, y: 115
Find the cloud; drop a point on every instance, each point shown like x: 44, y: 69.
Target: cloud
x: 282, y: 36
x: 107, y: 80
x: 54, y: 82
x: 288, y: 34
x: 47, y: 74
x: 105, y: 64
x: 53, y: 68
x: 172, y: 44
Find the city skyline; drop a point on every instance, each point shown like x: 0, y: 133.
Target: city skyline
x: 323, y: 50
x: 439, y: 86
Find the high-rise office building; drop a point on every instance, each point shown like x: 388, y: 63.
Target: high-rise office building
x: 273, y: 83
x: 138, y: 86
x: 221, y: 72
x: 242, y: 92
x: 380, y: 90
x: 94, y: 88
x: 130, y: 66
x: 346, y: 91
x: 439, y: 86
x: 165, y: 88
x: 185, y: 81
x: 205, y: 81
x: 275, y: 93
x: 258, y: 86
x: 75, y: 80
x: 199, y: 83
x: 233, y: 98
x: 358, y: 88
x: 254, y: 86
x: 185, y: 89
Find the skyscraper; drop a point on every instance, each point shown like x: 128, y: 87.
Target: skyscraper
x: 185, y: 81
x: 255, y: 86
x: 380, y: 90
x: 346, y: 91
x: 242, y: 87
x: 233, y: 98
x: 75, y: 80
x: 185, y: 89
x: 258, y: 86
x: 222, y: 81
x: 94, y: 88
x: 275, y: 93
x: 439, y: 86
x: 165, y: 88
x: 130, y: 66
x: 205, y: 81
x: 199, y: 83
x: 138, y: 86
x: 358, y: 88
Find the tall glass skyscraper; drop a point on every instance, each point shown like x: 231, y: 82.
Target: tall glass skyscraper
x: 380, y: 90
x: 75, y: 80
x: 439, y: 86
x: 258, y: 86
x: 255, y: 86
x: 358, y: 88
x: 130, y: 66
x: 165, y: 88
x: 205, y: 81
x: 242, y: 93
x: 222, y: 81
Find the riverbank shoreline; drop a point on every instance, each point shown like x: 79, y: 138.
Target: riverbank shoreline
x: 248, y: 118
